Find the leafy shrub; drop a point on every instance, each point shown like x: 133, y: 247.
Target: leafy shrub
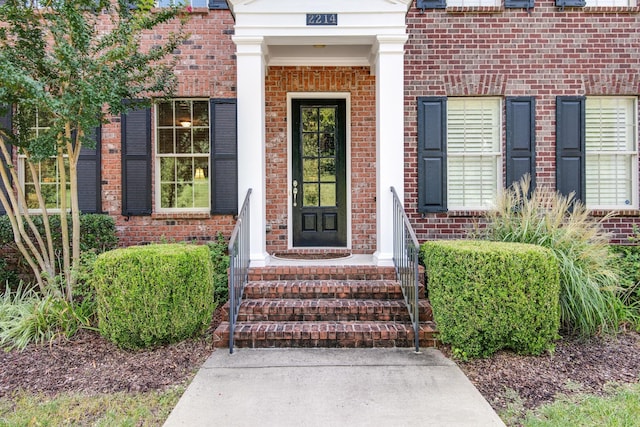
x: 588, y: 297
x: 152, y: 295
x: 7, y: 275
x: 97, y: 234
x: 28, y: 317
x: 220, y: 260
x: 626, y: 260
x: 491, y: 295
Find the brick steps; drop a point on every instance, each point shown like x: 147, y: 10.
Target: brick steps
x: 367, y: 289
x: 329, y: 309
x: 325, y: 334
x: 326, y: 306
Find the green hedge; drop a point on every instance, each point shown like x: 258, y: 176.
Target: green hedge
x: 487, y: 296
x: 153, y: 295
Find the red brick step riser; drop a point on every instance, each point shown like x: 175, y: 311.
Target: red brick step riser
x: 322, y: 273
x: 285, y: 310
x: 325, y: 334
x: 305, y: 289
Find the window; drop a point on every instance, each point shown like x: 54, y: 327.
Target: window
x: 47, y: 171
x: 596, y: 150
x: 611, y: 152
x: 459, y: 150
x: 473, y: 152
x: 610, y: 3
x: 182, y: 155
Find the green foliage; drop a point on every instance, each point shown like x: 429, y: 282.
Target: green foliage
x: 7, y: 275
x: 491, y: 295
x: 98, y: 234
x: 27, y: 317
x: 152, y: 408
x: 153, y: 295
x: 588, y: 297
x: 220, y: 260
x: 619, y: 407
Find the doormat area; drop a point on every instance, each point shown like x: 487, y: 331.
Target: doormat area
x: 311, y: 256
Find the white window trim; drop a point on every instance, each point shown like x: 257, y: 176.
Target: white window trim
x: 633, y: 154
x: 611, y: 3
x: 496, y: 155
x: 156, y: 164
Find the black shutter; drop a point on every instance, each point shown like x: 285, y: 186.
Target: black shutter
x: 521, y: 139
x: 570, y: 145
x: 570, y: 3
x: 224, y: 156
x: 90, y: 177
x: 432, y: 154
x: 136, y: 162
x: 519, y: 4
x: 5, y: 125
x: 431, y: 4
x: 218, y: 4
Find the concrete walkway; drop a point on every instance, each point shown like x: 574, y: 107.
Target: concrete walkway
x: 331, y: 387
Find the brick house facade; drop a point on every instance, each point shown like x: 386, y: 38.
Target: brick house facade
x: 382, y: 59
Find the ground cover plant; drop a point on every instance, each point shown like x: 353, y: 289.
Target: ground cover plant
x: 589, y: 299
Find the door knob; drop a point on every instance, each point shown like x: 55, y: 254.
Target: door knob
x: 295, y: 193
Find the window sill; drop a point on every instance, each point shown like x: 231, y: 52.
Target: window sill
x: 180, y: 215
x: 615, y: 212
x: 611, y: 9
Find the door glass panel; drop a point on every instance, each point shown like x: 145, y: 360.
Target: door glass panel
x: 310, y: 172
x: 327, y: 145
x: 310, y: 144
x: 327, y: 194
x: 310, y: 195
x: 309, y: 119
x: 327, y: 170
x: 327, y: 120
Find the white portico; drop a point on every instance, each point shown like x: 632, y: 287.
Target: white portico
x: 344, y: 33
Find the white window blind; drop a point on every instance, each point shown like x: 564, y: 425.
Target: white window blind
x: 611, y: 152
x: 473, y: 152
x: 472, y: 3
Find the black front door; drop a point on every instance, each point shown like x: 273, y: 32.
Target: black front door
x: 319, y: 193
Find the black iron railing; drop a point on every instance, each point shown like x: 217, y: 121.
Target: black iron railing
x: 239, y: 257
x: 405, y: 260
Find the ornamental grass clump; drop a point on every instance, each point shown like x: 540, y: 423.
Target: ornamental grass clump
x: 588, y: 298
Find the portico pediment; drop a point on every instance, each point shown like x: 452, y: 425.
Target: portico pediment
x: 288, y: 39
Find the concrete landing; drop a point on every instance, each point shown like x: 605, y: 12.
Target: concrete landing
x: 331, y: 387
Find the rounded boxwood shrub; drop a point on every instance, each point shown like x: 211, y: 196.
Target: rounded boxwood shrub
x: 153, y: 295
x: 487, y: 296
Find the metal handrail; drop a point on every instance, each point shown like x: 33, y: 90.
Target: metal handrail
x: 239, y: 257
x: 405, y: 261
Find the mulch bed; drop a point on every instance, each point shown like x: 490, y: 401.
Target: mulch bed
x: 90, y: 364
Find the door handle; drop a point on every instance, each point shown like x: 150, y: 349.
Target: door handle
x: 295, y: 193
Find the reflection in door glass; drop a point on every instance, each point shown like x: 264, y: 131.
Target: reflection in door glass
x: 319, y: 156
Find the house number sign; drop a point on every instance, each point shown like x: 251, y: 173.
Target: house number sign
x: 322, y: 19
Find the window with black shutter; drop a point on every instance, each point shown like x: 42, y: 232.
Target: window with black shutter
x: 224, y: 156
x: 136, y: 162
x: 90, y: 177
x: 432, y: 154
x: 570, y: 145
x: 570, y: 3
x: 521, y: 139
x: 218, y: 4
x: 431, y: 4
x: 519, y: 4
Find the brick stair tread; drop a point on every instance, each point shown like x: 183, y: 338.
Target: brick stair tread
x: 371, y: 289
x: 328, y: 309
x: 324, y: 334
x: 325, y: 272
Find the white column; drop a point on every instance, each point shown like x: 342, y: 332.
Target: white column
x: 389, y: 69
x: 251, y: 139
